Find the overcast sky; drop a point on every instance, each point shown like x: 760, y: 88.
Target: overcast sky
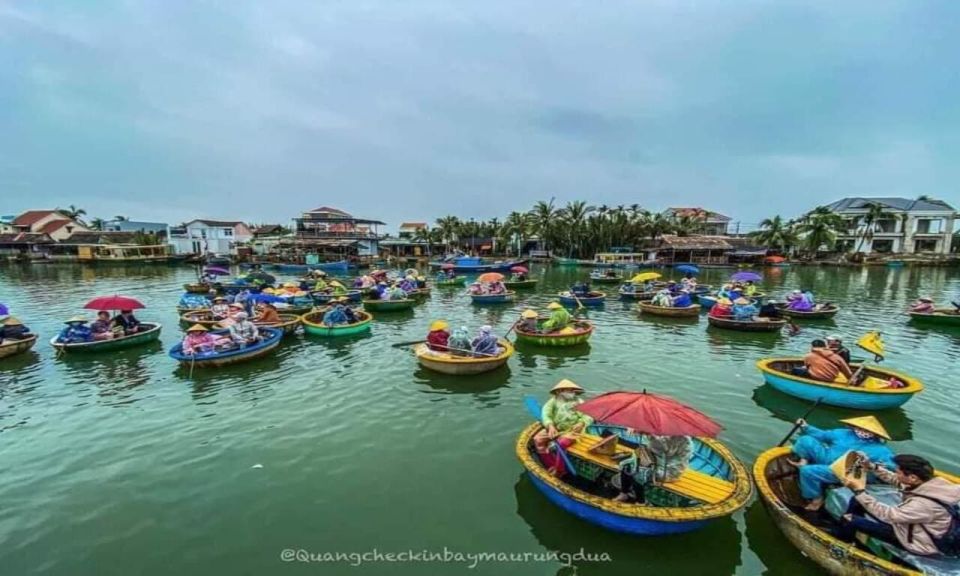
x: 409, y: 110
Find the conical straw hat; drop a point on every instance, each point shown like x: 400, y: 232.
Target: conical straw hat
x: 868, y: 423
x: 844, y: 466
x: 197, y: 328
x: 566, y: 385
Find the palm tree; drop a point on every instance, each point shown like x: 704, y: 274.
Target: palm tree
x: 870, y: 222
x: 449, y: 227
x: 424, y: 235
x: 121, y: 218
x: 97, y: 224
x: 517, y: 228
x: 819, y: 229
x: 776, y: 233
x: 543, y: 222
x: 74, y: 213
x: 688, y: 224
x: 574, y: 216
x: 657, y: 225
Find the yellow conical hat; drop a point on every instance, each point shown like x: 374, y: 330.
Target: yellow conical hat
x: 566, y: 385
x: 868, y: 423
x: 528, y: 313
x: 554, y: 306
x: 197, y: 328
x: 439, y: 325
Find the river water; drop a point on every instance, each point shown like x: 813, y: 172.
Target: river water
x: 125, y: 465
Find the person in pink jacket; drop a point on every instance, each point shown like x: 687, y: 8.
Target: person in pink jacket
x: 920, y: 519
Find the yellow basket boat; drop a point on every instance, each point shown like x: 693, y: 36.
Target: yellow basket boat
x: 462, y: 365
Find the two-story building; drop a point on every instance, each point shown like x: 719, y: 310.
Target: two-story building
x: 908, y: 226
x: 203, y: 236
x: 711, y: 223
x: 331, y: 231
x: 54, y: 223
x: 155, y: 228
x: 409, y: 230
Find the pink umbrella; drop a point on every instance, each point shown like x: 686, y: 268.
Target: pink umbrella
x: 115, y: 302
x: 519, y: 269
x: 447, y: 266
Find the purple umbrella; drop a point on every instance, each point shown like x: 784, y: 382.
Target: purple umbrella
x: 4, y: 311
x: 746, y: 276
x: 216, y: 271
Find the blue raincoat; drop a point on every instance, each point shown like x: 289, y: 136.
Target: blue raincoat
x: 820, y: 448
x: 74, y: 333
x: 335, y: 316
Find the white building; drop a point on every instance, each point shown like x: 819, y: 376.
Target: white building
x: 909, y: 227
x: 209, y: 237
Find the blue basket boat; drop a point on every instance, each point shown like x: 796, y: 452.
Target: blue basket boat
x: 269, y: 342
x: 593, y: 299
x: 504, y: 298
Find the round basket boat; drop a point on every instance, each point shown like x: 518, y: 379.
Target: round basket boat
x: 592, y: 299
x: 198, y: 288
x: 419, y: 293
x: 758, y: 325
x: 320, y: 298
x: 873, y: 394
x: 941, y: 316
x: 455, y: 281
x: 462, y: 365
x: 269, y: 342
x: 708, y: 300
x: 294, y: 310
x: 11, y: 347
x: 289, y: 324
x: 581, y: 332
x: 691, y: 311
x: 778, y: 487
x: 201, y: 317
x: 389, y: 305
x: 520, y: 284
x: 828, y: 311
x: 504, y: 298
x: 313, y: 325
x: 715, y: 485
x: 181, y: 310
x: 149, y: 332
x: 641, y: 296
x: 604, y: 279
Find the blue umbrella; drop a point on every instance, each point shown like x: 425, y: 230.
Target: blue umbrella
x: 266, y: 298
x: 215, y: 271
x: 687, y: 269
x: 746, y: 276
x: 4, y: 311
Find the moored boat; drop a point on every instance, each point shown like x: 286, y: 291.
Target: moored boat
x: 504, y: 298
x: 455, y: 281
x: 313, y: 325
x: 638, y: 295
x: 419, y: 293
x: 707, y: 300
x: 520, y: 284
x: 821, y: 313
x: 691, y: 311
x: 288, y: 323
x: 296, y: 310
x: 715, y: 485
x: 874, y: 393
x: 269, y: 342
x: 578, y: 333
x: 150, y: 332
x: 591, y: 299
x: 447, y: 363
x: 777, y: 486
x: 11, y: 346
x: 201, y: 317
x: 755, y: 325
x: 389, y: 305
x: 474, y: 265
x: 942, y: 316
x: 320, y: 298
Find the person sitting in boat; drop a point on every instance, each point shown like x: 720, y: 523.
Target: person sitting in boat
x: 268, y: 314
x: 682, y: 299
x: 629, y: 288
x: 749, y: 289
x: 475, y: 289
x: 770, y: 310
x: 798, y: 302
x: 408, y: 284
x: 518, y: 277
x: 321, y: 284
x: 581, y: 289
x: 347, y: 310
x: 232, y: 310
x: 448, y: 274
x: 102, y: 327
x: 744, y: 310
x: 662, y: 298
x: 421, y: 282
x: 486, y: 343
x: 127, y: 321
x: 528, y: 321
x: 923, y: 305
x: 335, y: 315
x: 689, y: 281
x: 76, y: 331
x: 220, y: 309
x: 559, y: 318
x: 835, y: 344
x: 817, y: 449
x: 723, y: 308
x: 656, y: 458
x: 243, y: 331
x: 439, y: 336
x: 559, y: 418
x: 395, y: 293
x: 496, y: 288
x: 13, y: 329
x: 459, y: 342
x: 337, y: 288
x: 919, y: 521
x: 823, y: 364
x: 199, y: 340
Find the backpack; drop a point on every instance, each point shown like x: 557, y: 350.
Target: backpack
x: 949, y: 543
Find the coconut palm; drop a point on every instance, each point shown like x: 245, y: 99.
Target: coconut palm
x: 776, y: 233
x: 74, y: 213
x: 517, y: 228
x: 449, y: 227
x: 543, y: 218
x: 424, y: 235
x: 574, y: 217
x: 818, y: 229
x: 870, y: 223
x: 97, y: 224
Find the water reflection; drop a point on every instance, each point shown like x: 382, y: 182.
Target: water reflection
x: 115, y: 377
x: 556, y: 530
x: 742, y: 345
x: 772, y: 547
x: 553, y: 357
x: 476, y: 384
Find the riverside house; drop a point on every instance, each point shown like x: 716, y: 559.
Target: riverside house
x: 209, y: 237
x: 908, y: 226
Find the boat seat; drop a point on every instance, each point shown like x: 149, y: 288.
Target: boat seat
x: 691, y: 484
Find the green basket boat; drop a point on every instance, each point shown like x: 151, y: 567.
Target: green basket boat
x: 150, y: 333
x: 389, y: 305
x: 456, y: 281
x: 520, y: 284
x: 582, y: 332
x: 313, y: 325
x: 941, y: 316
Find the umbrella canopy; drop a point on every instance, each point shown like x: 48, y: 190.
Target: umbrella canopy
x: 872, y: 343
x: 687, y: 269
x: 746, y: 276
x: 447, y: 266
x: 519, y: 269
x: 490, y: 277
x: 216, y: 271
x: 649, y: 413
x: 266, y: 298
x: 774, y: 259
x: 645, y: 276
x: 115, y: 302
x: 4, y: 310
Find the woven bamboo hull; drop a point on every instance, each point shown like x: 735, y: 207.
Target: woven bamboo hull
x: 585, y: 330
x: 742, y: 326
x: 289, y: 324
x: 521, y: 284
x: 595, y: 299
x: 942, y: 316
x: 389, y: 305
x: 692, y: 311
x: 313, y: 325
x: 829, y: 312
x: 640, y: 296
x: 270, y: 343
x: 493, y: 298
x: 458, y: 281
x: 197, y: 288
x: 13, y: 347
x: 151, y: 333
x: 462, y: 365
x: 203, y: 318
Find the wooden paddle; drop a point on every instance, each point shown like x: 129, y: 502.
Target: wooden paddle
x: 410, y: 343
x: 796, y: 426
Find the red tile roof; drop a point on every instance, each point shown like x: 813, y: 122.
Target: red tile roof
x: 53, y: 226
x: 413, y: 225
x: 31, y: 217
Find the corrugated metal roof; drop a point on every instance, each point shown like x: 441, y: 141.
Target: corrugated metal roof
x: 893, y: 203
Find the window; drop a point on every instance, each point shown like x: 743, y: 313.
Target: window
x: 928, y: 226
x: 886, y: 226
x: 925, y: 246
x: 228, y: 231
x: 883, y: 246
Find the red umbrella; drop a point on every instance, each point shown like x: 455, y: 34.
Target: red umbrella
x: 490, y: 277
x: 519, y: 269
x: 447, y: 266
x: 649, y: 413
x: 114, y: 302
